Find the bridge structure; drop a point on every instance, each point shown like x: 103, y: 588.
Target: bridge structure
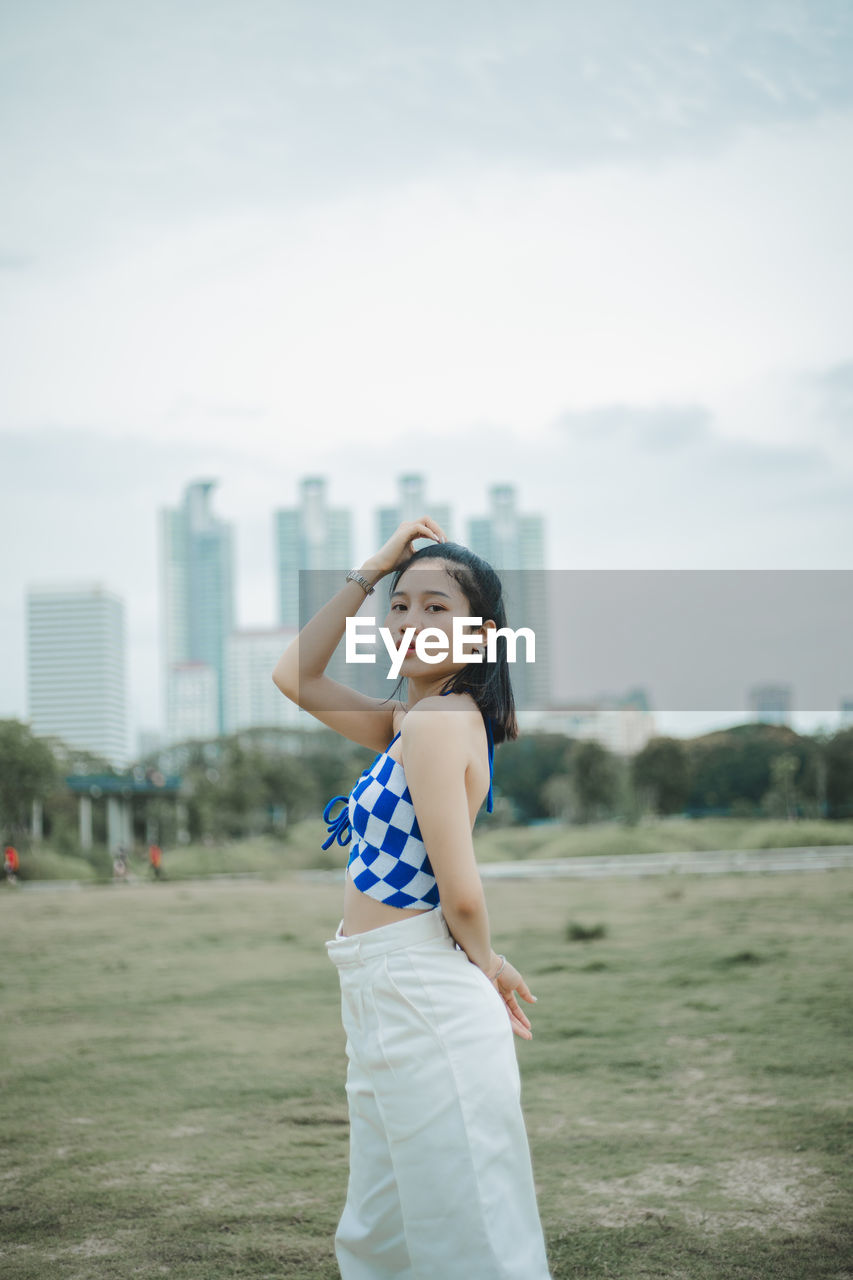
x: 118, y: 792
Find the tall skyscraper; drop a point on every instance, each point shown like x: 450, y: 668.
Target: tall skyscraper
x: 197, y: 593
x: 504, y: 537
x: 76, y: 667
x: 514, y: 545
x: 411, y: 504
x: 313, y: 544
x: 310, y: 537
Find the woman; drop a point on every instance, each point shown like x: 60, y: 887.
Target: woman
x: 440, y: 1181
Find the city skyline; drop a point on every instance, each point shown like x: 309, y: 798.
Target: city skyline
x: 251, y: 645
x: 197, y: 624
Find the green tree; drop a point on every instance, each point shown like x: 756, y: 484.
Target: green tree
x: 812, y: 777
x: 557, y: 795
x: 28, y: 772
x: 258, y: 780
x: 594, y: 781
x: 780, y: 801
x: 734, y: 764
x: 523, y: 767
x: 661, y: 775
x: 839, y: 773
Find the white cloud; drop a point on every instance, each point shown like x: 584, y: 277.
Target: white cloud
x: 433, y: 305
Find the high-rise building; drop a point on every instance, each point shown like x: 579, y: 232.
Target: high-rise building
x: 771, y: 703
x: 253, y: 701
x: 309, y: 538
x: 313, y: 545
x: 76, y: 667
x: 514, y: 545
x: 505, y: 537
x: 193, y: 712
x: 148, y: 742
x: 197, y: 593
x: 623, y: 724
x: 411, y: 505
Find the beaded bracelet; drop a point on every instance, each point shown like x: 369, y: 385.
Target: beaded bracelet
x: 500, y: 969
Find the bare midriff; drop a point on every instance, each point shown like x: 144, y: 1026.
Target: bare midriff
x: 362, y: 913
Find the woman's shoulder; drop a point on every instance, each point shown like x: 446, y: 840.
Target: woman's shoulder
x: 446, y: 714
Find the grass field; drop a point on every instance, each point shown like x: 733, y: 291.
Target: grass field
x: 271, y: 856
x: 172, y: 1098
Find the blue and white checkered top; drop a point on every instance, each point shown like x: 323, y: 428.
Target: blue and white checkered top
x: 388, y: 861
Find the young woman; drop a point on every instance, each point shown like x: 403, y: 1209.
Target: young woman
x: 440, y: 1180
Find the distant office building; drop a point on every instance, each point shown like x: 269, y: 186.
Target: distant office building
x: 253, y: 701
x: 148, y: 742
x: 846, y: 710
x: 505, y: 537
x: 76, y: 667
x: 412, y: 503
x: 771, y: 703
x: 622, y: 724
x: 309, y: 537
x: 514, y: 545
x: 193, y: 702
x: 197, y: 594
x: 313, y: 544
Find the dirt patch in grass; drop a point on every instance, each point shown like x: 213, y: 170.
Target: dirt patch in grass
x: 769, y: 1193
x: 759, y: 1193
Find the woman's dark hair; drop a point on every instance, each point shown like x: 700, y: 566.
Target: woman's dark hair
x: 488, y: 682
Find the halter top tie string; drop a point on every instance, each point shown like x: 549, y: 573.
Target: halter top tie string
x: 341, y: 830
x: 339, y: 827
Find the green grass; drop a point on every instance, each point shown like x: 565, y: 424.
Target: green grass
x: 672, y: 835
x: 46, y: 863
x: 172, y: 1078
x: 272, y: 857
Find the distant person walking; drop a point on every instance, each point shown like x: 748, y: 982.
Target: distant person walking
x: 11, y: 863
x: 155, y: 858
x: 440, y: 1178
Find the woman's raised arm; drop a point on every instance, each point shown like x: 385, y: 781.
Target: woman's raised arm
x: 300, y: 671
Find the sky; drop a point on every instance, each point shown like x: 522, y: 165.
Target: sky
x: 601, y: 253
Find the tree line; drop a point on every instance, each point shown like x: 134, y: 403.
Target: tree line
x: 261, y: 781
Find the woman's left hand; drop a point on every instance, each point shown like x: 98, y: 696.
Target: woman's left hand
x: 508, y: 983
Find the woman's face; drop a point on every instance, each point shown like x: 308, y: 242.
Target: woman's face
x: 427, y: 595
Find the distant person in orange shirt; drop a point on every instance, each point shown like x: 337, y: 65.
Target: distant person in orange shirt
x: 11, y: 863
x: 155, y: 857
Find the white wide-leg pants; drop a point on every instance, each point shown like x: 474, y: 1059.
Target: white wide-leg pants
x: 440, y: 1181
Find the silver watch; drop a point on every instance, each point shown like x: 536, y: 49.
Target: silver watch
x: 362, y: 582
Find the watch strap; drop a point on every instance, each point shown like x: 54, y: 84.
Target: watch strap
x: 355, y: 576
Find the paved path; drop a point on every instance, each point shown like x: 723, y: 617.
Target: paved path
x: 716, y: 862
